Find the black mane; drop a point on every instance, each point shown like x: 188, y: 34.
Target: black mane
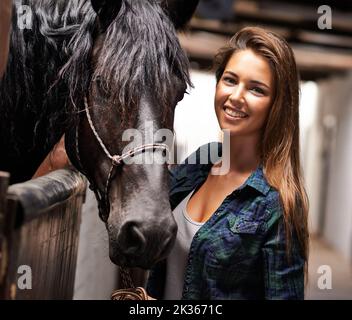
x: 145, y: 58
x: 33, y: 116
x: 49, y: 71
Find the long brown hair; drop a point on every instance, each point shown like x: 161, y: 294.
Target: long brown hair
x: 280, y: 144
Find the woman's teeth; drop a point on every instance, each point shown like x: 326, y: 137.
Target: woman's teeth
x: 235, y: 114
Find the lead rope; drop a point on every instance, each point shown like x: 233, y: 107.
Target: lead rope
x: 126, y: 278
x: 130, y: 292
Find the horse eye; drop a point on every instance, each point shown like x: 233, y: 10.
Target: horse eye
x: 98, y: 80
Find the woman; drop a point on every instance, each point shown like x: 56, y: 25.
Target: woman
x: 5, y: 22
x: 243, y: 235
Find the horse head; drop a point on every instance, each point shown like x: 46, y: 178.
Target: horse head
x: 138, y: 73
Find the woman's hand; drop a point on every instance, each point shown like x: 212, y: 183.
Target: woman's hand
x: 56, y: 159
x: 5, y: 23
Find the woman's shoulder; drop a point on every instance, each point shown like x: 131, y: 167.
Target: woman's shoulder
x: 274, y: 210
x: 261, y: 202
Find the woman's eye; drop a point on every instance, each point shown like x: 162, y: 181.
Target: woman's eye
x: 258, y: 90
x: 229, y: 80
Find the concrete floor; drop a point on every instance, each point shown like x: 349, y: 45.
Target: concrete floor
x: 341, y: 273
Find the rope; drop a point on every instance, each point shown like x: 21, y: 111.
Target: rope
x: 95, y: 131
x: 130, y: 292
x: 117, y: 159
x: 127, y: 281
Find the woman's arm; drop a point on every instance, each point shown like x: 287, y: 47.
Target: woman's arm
x: 284, y: 279
x: 56, y: 159
x: 5, y: 23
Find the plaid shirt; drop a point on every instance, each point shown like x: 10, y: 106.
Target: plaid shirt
x: 240, y: 252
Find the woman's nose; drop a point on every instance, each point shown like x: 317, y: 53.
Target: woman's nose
x: 237, y: 95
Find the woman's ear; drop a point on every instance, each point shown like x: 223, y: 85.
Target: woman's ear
x: 106, y: 10
x: 180, y: 11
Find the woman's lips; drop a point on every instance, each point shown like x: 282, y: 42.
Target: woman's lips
x: 234, y: 114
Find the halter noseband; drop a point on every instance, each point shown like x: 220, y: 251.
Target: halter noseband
x: 116, y: 161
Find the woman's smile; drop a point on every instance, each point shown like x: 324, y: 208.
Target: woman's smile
x: 234, y: 114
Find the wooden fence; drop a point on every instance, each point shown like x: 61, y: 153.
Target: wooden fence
x: 39, y: 228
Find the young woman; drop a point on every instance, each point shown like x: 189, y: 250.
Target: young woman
x: 243, y: 235
x: 5, y: 22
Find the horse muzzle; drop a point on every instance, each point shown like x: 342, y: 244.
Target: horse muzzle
x: 141, y: 244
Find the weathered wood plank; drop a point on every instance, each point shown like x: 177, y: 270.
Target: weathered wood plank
x: 38, y: 195
x: 45, y: 237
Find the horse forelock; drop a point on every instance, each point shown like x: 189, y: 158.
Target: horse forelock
x: 140, y: 53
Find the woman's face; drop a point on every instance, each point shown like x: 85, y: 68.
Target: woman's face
x: 244, y: 94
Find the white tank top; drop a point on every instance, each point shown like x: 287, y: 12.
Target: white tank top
x: 177, y: 259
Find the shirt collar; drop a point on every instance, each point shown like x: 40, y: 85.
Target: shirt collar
x: 256, y: 180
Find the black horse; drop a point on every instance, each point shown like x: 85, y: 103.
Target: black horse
x: 90, y: 70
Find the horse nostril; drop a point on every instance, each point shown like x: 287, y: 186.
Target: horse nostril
x: 132, y: 238
x: 137, y: 237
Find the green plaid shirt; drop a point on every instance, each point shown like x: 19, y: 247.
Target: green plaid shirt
x: 240, y: 252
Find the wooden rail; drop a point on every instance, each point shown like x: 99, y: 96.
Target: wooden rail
x: 39, y: 232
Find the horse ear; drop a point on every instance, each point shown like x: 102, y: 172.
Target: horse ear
x: 180, y: 11
x: 106, y: 10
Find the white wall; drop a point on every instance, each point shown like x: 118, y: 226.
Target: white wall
x: 311, y: 145
x: 336, y: 99
x: 96, y: 275
x: 195, y: 119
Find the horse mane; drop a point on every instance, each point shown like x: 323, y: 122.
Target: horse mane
x: 35, y: 58
x: 146, y: 57
x: 140, y: 54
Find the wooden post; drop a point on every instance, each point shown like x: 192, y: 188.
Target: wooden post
x: 4, y: 182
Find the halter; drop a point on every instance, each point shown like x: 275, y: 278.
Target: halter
x: 103, y: 197
x: 116, y: 161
